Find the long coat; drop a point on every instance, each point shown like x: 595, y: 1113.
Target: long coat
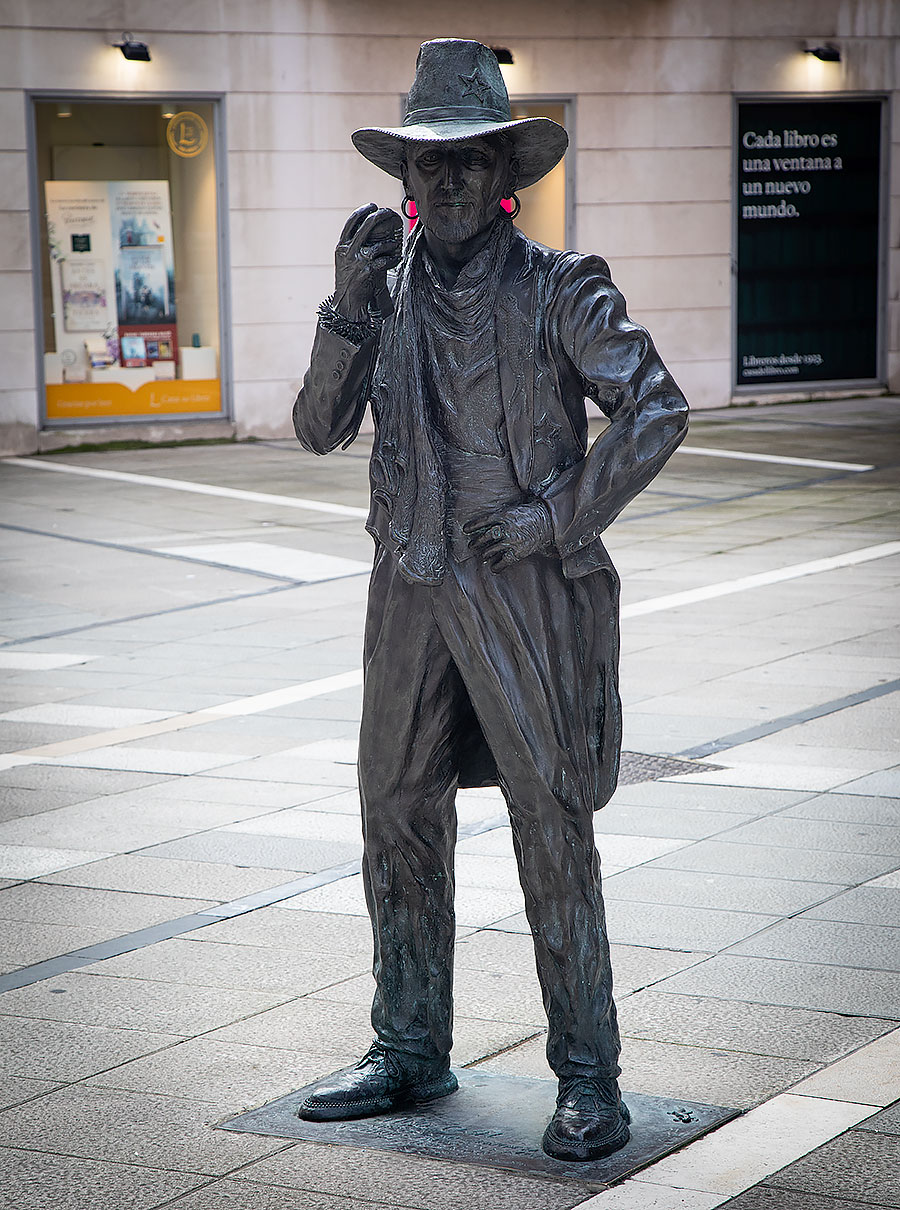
x: 563, y: 335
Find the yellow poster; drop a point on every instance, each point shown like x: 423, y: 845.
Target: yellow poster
x: 92, y: 400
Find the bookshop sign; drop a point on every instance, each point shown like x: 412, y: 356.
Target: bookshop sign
x: 808, y: 221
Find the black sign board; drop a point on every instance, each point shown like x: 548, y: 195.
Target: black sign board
x: 808, y: 224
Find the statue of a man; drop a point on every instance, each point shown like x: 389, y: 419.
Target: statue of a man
x: 491, y: 644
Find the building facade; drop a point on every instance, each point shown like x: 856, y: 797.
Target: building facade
x: 167, y: 224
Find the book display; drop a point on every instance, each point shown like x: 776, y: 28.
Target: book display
x: 115, y: 248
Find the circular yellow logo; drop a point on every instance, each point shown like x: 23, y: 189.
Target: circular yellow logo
x: 187, y: 134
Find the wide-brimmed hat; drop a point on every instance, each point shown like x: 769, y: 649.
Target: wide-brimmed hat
x: 459, y: 93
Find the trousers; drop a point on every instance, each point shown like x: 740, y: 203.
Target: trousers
x: 512, y: 658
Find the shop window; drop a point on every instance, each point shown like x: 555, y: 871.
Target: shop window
x: 129, y: 259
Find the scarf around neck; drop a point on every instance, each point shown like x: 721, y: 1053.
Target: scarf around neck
x: 408, y: 475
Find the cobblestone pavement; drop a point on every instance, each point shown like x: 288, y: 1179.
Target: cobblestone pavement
x: 182, y: 930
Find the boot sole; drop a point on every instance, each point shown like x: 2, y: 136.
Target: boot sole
x: 340, y: 1111
x: 583, y: 1153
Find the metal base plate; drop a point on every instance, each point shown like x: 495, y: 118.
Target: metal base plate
x: 497, y: 1121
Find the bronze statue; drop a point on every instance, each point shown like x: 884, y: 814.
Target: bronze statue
x: 491, y: 645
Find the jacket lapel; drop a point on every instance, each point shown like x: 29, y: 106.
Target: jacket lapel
x: 515, y: 344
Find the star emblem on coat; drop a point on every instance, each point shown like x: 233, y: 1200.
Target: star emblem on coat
x: 476, y: 85
x: 546, y: 431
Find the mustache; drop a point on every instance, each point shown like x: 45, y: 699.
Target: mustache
x: 450, y: 197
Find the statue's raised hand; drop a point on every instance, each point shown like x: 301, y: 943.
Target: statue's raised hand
x: 370, y: 244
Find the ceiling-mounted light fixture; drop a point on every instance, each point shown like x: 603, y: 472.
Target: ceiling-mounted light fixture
x: 63, y: 110
x: 132, y: 48
x: 504, y: 55
x: 827, y: 53
x: 168, y: 109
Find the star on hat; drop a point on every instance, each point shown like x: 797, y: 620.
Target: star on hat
x: 476, y: 85
x: 458, y: 95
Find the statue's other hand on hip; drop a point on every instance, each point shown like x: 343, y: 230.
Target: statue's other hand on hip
x: 510, y: 534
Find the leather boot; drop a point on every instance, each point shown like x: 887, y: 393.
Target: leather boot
x: 591, y: 1120
x: 383, y: 1080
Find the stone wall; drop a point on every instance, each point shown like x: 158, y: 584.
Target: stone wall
x: 653, y: 83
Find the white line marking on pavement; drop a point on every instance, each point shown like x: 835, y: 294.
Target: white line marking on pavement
x: 778, y: 576
x: 732, y: 1159
x: 292, y: 693
x: 239, y: 707
x: 40, y: 661
x: 306, y: 566
x: 782, y: 459
x: 200, y: 489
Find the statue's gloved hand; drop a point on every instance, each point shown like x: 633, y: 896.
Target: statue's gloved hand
x: 371, y: 243
x: 505, y: 537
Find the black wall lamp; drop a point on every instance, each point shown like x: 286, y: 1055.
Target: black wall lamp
x: 827, y: 53
x: 131, y: 48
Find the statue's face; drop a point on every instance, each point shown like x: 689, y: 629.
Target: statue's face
x: 457, y: 187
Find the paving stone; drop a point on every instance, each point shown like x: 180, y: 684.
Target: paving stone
x: 36, y: 1180
x: 303, y: 823
x: 23, y: 862
x: 861, y: 1164
x: 498, y: 953
x: 861, y: 905
x: 764, y: 1197
x: 117, y: 824
x: 638, y: 1195
x: 111, y: 912
x: 868, y: 1076
x: 408, y: 1180
x: 230, y: 1075
x: 742, y: 800
x: 839, y: 989
x: 292, y: 766
x: 725, y: 892
x: 635, y: 967
x: 835, y: 835
x: 62, y: 1051
x: 272, y: 852
x: 16, y: 1089
x: 100, y: 1123
x: 886, y: 1122
x: 891, y: 880
x: 255, y: 795
x: 696, y: 824
x: 694, y: 1073
x: 18, y: 802
x: 771, y: 861
x: 134, y: 1003
x: 849, y: 808
x: 489, y: 873
x: 216, y: 964
x: 488, y: 995
x: 237, y: 1195
x: 788, y: 1033
x: 849, y: 945
x: 156, y: 875
x: 669, y: 926
x: 476, y: 907
x: 151, y: 760
x: 886, y: 783
x: 24, y: 942
x: 94, y: 782
x: 278, y: 927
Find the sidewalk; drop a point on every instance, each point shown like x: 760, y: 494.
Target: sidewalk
x: 182, y: 929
